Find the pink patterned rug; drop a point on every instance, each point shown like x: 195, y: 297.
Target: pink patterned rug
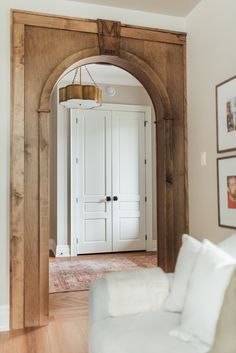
x: 74, y: 275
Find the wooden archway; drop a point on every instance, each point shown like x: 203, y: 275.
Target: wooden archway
x: 44, y: 47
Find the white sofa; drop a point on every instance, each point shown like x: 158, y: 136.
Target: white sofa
x: 148, y: 332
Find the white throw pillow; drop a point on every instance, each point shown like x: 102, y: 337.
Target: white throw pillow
x: 209, y: 280
x: 229, y: 245
x: 186, y: 259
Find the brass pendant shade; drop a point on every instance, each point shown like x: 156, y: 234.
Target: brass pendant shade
x: 79, y: 96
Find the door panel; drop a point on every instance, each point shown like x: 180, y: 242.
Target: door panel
x: 95, y: 230
x: 94, y: 181
x: 128, y: 180
x: 129, y: 228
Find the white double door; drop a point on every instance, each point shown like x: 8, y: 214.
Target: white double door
x: 110, y: 181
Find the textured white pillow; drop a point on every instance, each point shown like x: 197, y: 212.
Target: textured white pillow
x: 229, y: 245
x: 137, y: 291
x: 209, y: 280
x: 186, y: 259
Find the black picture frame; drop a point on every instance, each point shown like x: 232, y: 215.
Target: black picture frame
x: 226, y: 172
x: 226, y: 115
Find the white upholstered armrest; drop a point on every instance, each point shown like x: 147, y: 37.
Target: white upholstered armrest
x: 99, y: 301
x: 132, y: 292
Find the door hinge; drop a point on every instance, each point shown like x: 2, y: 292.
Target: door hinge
x: 145, y: 123
x: 76, y: 120
x: 145, y: 198
x: 145, y: 161
x: 77, y: 241
x: 77, y: 160
x: 145, y: 236
x: 77, y: 199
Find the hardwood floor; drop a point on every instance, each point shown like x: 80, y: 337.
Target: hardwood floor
x: 66, y: 333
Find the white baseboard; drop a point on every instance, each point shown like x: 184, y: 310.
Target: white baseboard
x: 53, y: 246
x: 151, y: 245
x: 4, y: 317
x: 62, y: 251
x: 154, y: 245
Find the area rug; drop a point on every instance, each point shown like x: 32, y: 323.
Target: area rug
x: 76, y: 275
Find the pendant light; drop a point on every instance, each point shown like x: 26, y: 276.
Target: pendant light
x: 79, y: 96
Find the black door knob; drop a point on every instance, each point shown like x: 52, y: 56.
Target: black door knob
x: 108, y: 198
x: 115, y: 198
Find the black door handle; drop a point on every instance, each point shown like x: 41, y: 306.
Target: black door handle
x: 115, y: 198
x: 108, y: 198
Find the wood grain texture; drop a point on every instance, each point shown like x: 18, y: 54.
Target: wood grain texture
x: 176, y: 80
x: 52, y: 45
x: 92, y: 26
x: 17, y: 181
x: 43, y: 215
x: 109, y: 37
x: 152, y: 35
x: 185, y: 139
x: 52, y: 21
x: 31, y: 258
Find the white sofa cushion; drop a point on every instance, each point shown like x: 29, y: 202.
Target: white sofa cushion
x: 131, y: 292
x: 225, y: 337
x: 210, y: 278
x: 229, y: 245
x: 186, y: 259
x: 140, y: 333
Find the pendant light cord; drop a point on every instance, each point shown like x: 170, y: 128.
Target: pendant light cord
x: 91, y: 76
x: 76, y: 72
x: 79, y: 68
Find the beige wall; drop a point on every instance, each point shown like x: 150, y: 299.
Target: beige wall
x: 211, y: 59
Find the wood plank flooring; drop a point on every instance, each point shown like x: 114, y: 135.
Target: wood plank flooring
x: 67, y: 331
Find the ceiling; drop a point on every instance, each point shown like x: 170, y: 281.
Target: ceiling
x: 166, y: 7
x: 105, y: 74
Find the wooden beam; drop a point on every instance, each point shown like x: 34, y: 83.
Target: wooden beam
x: 43, y: 215
x: 91, y: 26
x: 17, y: 180
x: 152, y: 35
x: 56, y: 22
x: 185, y: 139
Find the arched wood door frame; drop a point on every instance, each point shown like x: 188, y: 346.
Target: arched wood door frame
x: 169, y: 178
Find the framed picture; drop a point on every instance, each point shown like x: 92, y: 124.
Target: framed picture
x: 226, y: 172
x: 226, y: 115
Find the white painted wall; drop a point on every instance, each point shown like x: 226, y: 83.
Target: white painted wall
x: 211, y: 60
x: 63, y: 116
x: 59, y: 176
x: 60, y: 7
x: 53, y: 171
